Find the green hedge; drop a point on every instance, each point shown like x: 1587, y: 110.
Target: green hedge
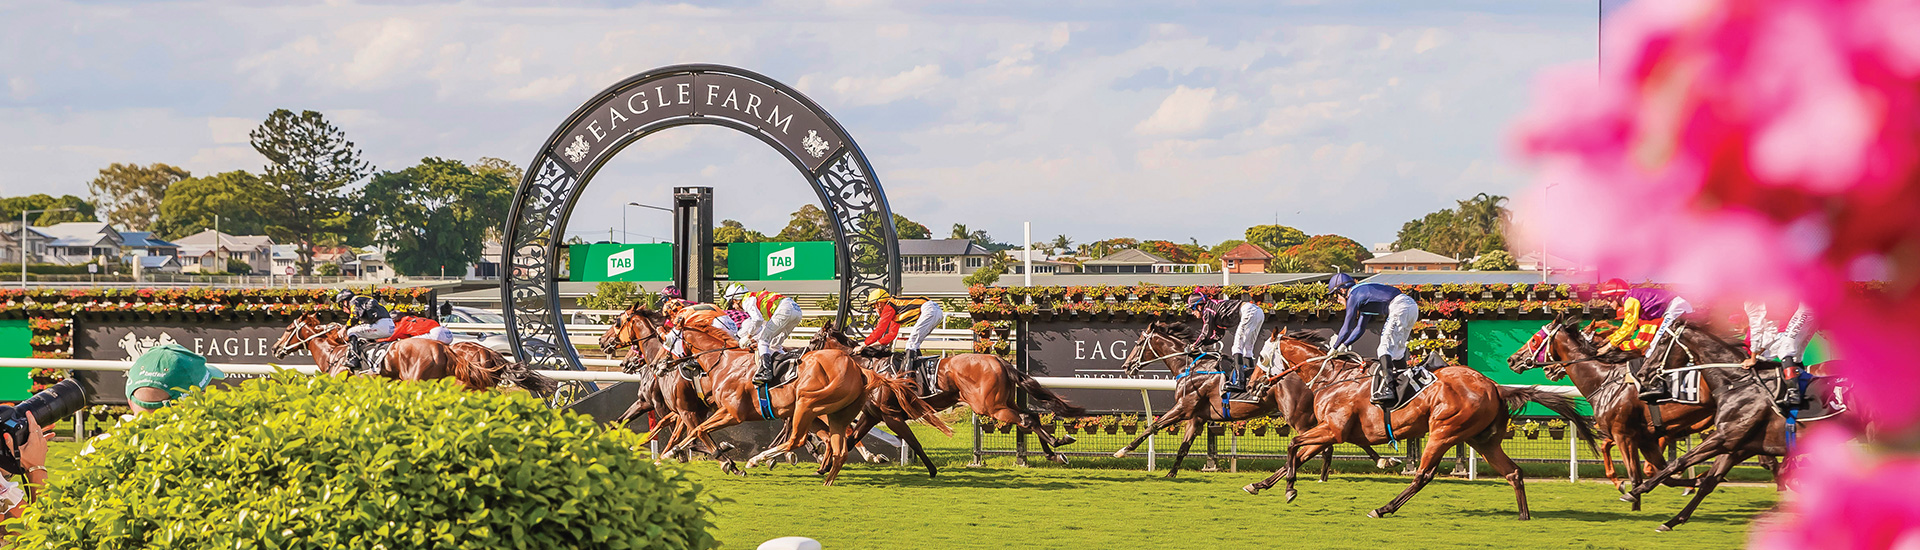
x: 300, y: 461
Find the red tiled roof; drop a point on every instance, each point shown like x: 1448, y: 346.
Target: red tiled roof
x: 1246, y: 251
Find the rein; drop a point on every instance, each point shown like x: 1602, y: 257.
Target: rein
x: 320, y: 331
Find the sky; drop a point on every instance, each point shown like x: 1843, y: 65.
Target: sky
x: 1154, y: 120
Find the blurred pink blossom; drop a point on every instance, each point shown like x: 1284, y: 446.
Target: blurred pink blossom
x: 1760, y: 150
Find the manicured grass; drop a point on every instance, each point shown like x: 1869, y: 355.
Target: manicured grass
x: 884, y: 506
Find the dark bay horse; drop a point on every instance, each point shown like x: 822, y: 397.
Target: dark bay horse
x: 1746, y: 423
x: 1197, y: 397
x: 674, y: 400
x: 1462, y: 406
x: 986, y: 383
x: 411, y: 358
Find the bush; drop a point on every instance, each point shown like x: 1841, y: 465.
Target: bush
x: 237, y: 266
x: 300, y: 461
x: 328, y: 270
x: 1498, y: 260
x: 619, y: 295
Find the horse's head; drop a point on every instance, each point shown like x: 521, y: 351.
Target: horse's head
x: 304, y: 329
x: 1159, y: 342
x: 634, y: 326
x: 829, y: 337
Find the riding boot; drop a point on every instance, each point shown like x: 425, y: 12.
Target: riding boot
x: 1383, y: 381
x: 929, y: 379
x: 1654, y: 388
x: 1236, y: 374
x: 1793, y: 398
x: 352, y: 359
x: 764, y: 375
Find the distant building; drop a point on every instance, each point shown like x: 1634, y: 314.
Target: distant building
x: 1411, y: 260
x: 75, y: 243
x: 1246, y: 258
x: 943, y: 256
x: 210, y: 251
x: 1041, y: 263
x: 1382, y: 249
x: 1531, y: 262
x: 489, y: 265
x: 142, y: 243
x: 1138, y: 261
x: 10, y: 243
x: 158, y: 264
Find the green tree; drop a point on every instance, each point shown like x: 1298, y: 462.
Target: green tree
x: 310, y: 164
x: 988, y: 274
x: 130, y: 194
x: 908, y: 229
x: 78, y: 209
x: 1099, y: 249
x: 1275, y: 238
x: 732, y: 231
x: 1324, y: 253
x: 237, y: 197
x: 1475, y: 225
x: 618, y: 295
x: 1497, y: 260
x: 978, y: 236
x: 434, y: 215
x: 809, y: 223
x: 329, y: 269
x: 1061, y: 244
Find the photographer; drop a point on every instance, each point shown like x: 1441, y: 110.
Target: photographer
x: 33, y: 457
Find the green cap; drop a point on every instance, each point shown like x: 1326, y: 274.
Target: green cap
x: 170, y: 367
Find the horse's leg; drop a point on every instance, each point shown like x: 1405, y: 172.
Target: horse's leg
x: 1031, y: 422
x: 1606, y: 461
x: 1502, y: 463
x: 1707, y: 483
x: 1326, y: 463
x: 1710, y: 447
x: 905, y: 432
x: 1194, y: 426
x: 1381, y: 462
x: 1438, y: 444
x: 1181, y: 410
x: 1629, y: 453
x: 836, y: 440
x: 1775, y: 466
x: 1307, y: 444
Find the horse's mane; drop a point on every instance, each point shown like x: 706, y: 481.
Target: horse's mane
x: 1590, y: 349
x: 1175, y: 330
x: 830, y: 331
x: 1301, y: 334
x: 649, y: 314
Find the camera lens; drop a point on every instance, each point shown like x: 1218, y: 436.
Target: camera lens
x: 48, y: 407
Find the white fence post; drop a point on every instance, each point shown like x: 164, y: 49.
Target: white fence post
x: 1146, y: 404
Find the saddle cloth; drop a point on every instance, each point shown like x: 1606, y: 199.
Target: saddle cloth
x: 1826, y: 396
x: 783, y: 371
x: 372, y: 357
x: 1685, y: 387
x: 1408, y: 384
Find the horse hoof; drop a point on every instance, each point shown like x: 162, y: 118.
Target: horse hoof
x: 1375, y: 514
x: 1686, y: 491
x: 1663, y: 528
x: 1058, y: 459
x: 1385, y: 463
x: 879, y: 459
x: 1170, y: 473
x: 1250, y: 489
x: 1063, y: 441
x: 1630, y: 497
x: 1292, y: 494
x: 1122, y: 453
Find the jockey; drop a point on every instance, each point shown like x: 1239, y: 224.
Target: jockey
x: 771, y: 317
x: 705, y: 318
x: 896, y: 312
x: 1244, y: 319
x: 1766, y: 341
x: 1638, y: 306
x: 370, y: 322
x: 408, y: 325
x: 1399, y: 313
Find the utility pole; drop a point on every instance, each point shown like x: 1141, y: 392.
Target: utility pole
x: 1027, y: 229
x: 693, y: 242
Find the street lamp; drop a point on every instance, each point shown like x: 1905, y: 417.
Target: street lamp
x: 1543, y: 265
x: 23, y: 240
x: 623, y: 217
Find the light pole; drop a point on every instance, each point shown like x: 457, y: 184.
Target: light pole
x: 623, y: 217
x: 1543, y: 265
x: 23, y: 240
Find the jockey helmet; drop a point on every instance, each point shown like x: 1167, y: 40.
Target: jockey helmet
x: 1339, y: 282
x: 1613, y: 287
x: 343, y: 296
x: 735, y: 291
x: 671, y: 291
x: 876, y: 295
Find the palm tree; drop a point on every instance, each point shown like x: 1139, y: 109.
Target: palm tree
x: 1062, y: 243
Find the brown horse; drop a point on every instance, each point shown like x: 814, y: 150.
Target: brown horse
x: 679, y: 400
x: 987, y: 383
x: 1197, y: 394
x: 1563, y: 350
x: 409, y: 359
x: 828, y: 392
x: 1462, y: 406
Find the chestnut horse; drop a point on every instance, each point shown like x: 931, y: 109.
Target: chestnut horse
x: 987, y: 383
x: 1196, y: 397
x: 1462, y: 406
x: 828, y: 392
x: 673, y: 399
x: 410, y: 359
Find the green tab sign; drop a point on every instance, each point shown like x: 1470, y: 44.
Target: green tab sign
x: 621, y: 262
x: 796, y: 261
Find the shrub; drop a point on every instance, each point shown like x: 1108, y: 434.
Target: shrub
x: 300, y: 461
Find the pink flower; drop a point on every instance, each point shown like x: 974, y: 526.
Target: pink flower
x: 1862, y: 501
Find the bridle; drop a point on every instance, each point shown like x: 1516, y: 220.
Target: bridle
x: 620, y: 330
x: 1541, y: 356
x: 1288, y: 367
x: 319, y: 331
x: 1133, y: 367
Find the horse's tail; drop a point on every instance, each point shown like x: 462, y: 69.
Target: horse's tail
x: 1042, y: 396
x: 1515, y: 398
x: 481, y: 367
x: 898, y: 394
x: 525, y: 378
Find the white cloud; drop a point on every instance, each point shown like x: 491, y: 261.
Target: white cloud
x: 231, y: 129
x: 877, y: 90
x: 20, y: 87
x: 1183, y: 111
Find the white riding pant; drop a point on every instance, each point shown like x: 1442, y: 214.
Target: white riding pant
x: 437, y: 334
x: 770, y: 333
x: 1246, y: 336
x: 930, y: 318
x: 1767, y: 340
x: 1675, y: 309
x: 372, y: 331
x: 676, y: 344
x: 1397, y: 328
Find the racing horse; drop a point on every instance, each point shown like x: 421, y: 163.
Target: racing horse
x: 476, y: 367
x: 1746, y: 423
x: 986, y: 383
x: 674, y: 399
x: 1461, y: 406
x: 828, y: 391
x: 1197, y: 395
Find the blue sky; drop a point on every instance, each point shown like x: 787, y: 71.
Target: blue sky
x: 1170, y: 120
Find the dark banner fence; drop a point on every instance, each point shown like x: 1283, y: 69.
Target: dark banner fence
x: 1088, y: 349
x: 219, y: 342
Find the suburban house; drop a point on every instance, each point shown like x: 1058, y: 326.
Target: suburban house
x: 1246, y: 258
x: 10, y: 243
x: 1137, y: 261
x: 1041, y: 263
x: 942, y: 256
x: 370, y: 265
x: 489, y: 265
x: 1411, y: 260
x: 285, y: 257
x: 1531, y: 262
x: 75, y: 243
x: 209, y: 251
x: 158, y: 264
x: 142, y: 243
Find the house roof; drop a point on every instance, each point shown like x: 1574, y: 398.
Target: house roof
x: 205, y: 240
x: 1129, y: 257
x: 941, y: 247
x: 11, y: 231
x: 1414, y: 256
x: 1467, y: 277
x: 155, y: 262
x: 285, y: 252
x: 143, y: 239
x: 1246, y: 251
x: 77, y: 233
